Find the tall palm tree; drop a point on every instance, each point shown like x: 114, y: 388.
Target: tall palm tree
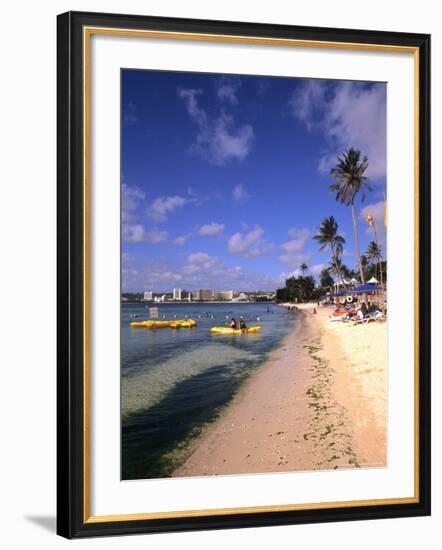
x: 303, y: 268
x: 328, y: 237
x: 349, y: 173
x: 374, y: 253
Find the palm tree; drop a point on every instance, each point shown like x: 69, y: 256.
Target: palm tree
x: 349, y: 173
x: 328, y: 237
x: 303, y: 268
x: 374, y: 253
x: 325, y: 279
x: 338, y: 269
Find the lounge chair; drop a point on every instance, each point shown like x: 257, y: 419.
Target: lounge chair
x: 377, y: 317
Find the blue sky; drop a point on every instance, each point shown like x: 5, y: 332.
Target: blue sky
x: 225, y: 178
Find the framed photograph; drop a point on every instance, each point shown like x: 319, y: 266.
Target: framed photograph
x: 243, y: 274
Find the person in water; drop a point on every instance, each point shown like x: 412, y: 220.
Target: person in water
x: 233, y: 323
x: 242, y: 324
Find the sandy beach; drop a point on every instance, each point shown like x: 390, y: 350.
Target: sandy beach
x: 318, y: 402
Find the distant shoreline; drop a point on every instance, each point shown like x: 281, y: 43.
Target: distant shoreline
x: 197, y: 302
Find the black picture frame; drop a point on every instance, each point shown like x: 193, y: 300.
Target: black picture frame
x: 71, y: 519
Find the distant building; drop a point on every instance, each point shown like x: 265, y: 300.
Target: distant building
x: 148, y: 296
x: 163, y: 298
x: 204, y: 295
x: 177, y: 293
x: 223, y: 295
x: 241, y: 297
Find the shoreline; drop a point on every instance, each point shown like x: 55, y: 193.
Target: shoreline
x: 199, y: 302
x: 318, y: 402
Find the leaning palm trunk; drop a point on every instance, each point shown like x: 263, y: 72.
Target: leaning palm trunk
x: 358, y: 250
x: 338, y: 271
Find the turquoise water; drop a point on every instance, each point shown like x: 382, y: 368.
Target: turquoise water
x: 175, y: 382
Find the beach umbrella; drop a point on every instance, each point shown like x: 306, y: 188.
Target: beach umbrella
x: 373, y: 280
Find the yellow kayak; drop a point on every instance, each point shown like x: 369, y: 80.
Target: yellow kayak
x: 178, y: 323
x: 188, y: 323
x: 227, y: 330
x: 150, y: 324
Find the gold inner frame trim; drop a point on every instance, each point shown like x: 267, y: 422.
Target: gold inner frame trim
x: 87, y: 34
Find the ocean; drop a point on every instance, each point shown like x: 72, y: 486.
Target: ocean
x: 174, y: 383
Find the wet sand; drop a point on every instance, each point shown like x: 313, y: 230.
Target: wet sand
x: 319, y: 402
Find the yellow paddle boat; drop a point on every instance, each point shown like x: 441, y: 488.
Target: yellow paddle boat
x: 177, y: 323
x: 227, y: 330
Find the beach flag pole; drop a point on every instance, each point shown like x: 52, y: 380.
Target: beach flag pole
x: 370, y: 221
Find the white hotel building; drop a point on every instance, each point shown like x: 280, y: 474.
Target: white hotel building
x: 177, y: 293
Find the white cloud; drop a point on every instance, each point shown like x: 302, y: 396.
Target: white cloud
x: 211, y: 229
x: 314, y: 270
x: 293, y: 255
x: 148, y: 274
x: 226, y: 141
x: 377, y: 211
x: 135, y: 233
x: 317, y: 268
x: 239, y: 193
x: 132, y: 233
x: 287, y: 274
x: 300, y: 235
x: 227, y: 89
x: 293, y: 259
x: 159, y: 210
x: 219, y: 139
x: 131, y: 196
x: 199, y: 261
x: 348, y: 114
x: 306, y: 100
x: 155, y: 236
x: 181, y: 239
x: 250, y: 244
x: 199, y: 270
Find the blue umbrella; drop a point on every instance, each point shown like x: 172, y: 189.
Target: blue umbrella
x: 362, y: 289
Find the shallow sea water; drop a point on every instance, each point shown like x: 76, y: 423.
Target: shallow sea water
x: 175, y: 382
